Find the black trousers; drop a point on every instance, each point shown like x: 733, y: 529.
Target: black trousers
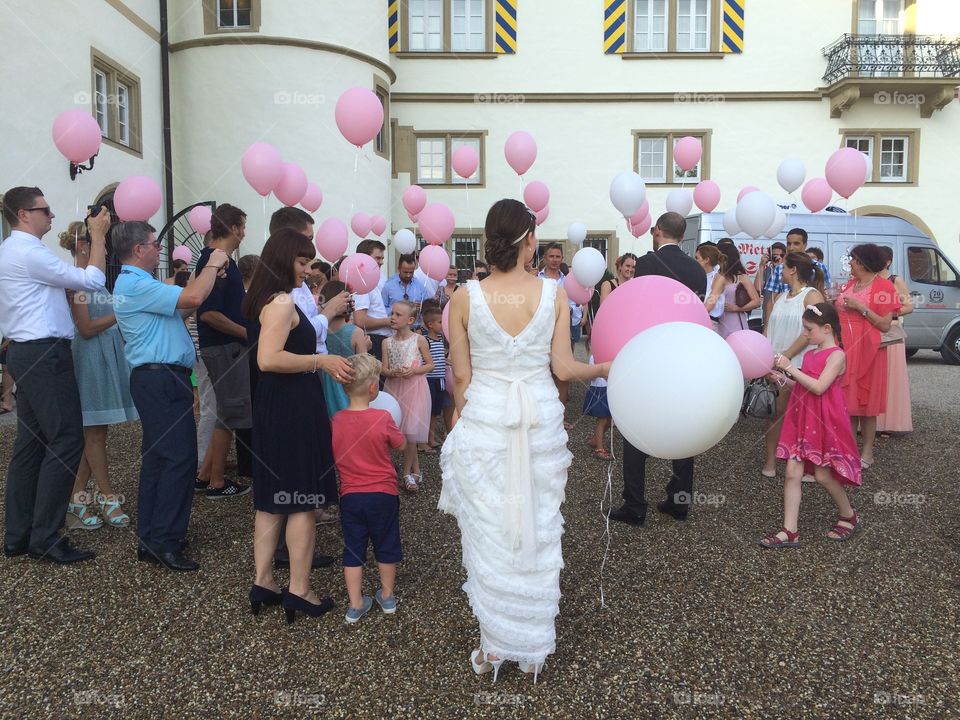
x: 168, y: 456
x: 679, y: 488
x: 49, y: 442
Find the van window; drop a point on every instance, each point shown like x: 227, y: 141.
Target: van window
x: 928, y: 266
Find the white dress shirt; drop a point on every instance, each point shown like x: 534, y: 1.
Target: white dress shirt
x: 576, y: 311
x: 33, y: 304
x: 372, y: 302
x: 308, y: 304
x: 429, y: 283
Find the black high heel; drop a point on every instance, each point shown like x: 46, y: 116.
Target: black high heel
x: 260, y: 596
x: 291, y: 603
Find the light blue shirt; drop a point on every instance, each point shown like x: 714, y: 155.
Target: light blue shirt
x: 147, y: 316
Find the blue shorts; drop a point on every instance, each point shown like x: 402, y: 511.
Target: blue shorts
x: 370, y: 516
x: 595, y: 402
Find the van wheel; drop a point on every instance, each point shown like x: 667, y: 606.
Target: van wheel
x: 911, y: 352
x: 951, y: 348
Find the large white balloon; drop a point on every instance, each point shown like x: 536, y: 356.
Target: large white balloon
x: 386, y: 401
x: 680, y: 201
x: 577, y: 233
x: 730, y: 222
x: 588, y: 266
x: 779, y: 223
x: 655, y: 399
x: 791, y: 174
x: 627, y: 192
x: 405, y: 241
x: 756, y: 213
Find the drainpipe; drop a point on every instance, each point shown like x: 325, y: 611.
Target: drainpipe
x: 165, y: 110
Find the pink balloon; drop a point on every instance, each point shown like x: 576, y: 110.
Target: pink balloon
x: 687, y: 152
x: 332, y: 239
x: 360, y: 272
x: 436, y: 224
x: 359, y: 115
x: 262, y: 167
x: 642, y: 227
x: 707, y: 195
x: 754, y: 352
x: 414, y: 199
x: 542, y: 215
x: 520, y: 151
x: 199, y: 218
x: 292, y: 186
x: 76, y: 135
x: 137, y: 198
x: 312, y: 199
x: 536, y: 195
x: 640, y: 214
x: 413, y: 218
x: 846, y: 171
x: 746, y: 191
x: 575, y: 291
x: 445, y: 322
x: 639, y: 304
x: 464, y: 161
x: 182, y: 252
x: 816, y: 194
x: 434, y: 261
x: 378, y: 225
x: 360, y: 224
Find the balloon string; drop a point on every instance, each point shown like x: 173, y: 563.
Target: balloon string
x: 266, y: 228
x: 607, y: 493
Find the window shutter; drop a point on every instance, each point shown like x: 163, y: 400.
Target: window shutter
x: 506, y: 27
x: 733, y: 26
x: 393, y: 25
x: 614, y: 26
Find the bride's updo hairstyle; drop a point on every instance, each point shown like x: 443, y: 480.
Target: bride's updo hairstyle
x: 508, y: 223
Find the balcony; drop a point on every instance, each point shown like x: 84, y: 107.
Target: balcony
x: 920, y: 70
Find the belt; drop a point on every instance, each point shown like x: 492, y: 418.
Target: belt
x: 41, y: 341
x: 164, y: 366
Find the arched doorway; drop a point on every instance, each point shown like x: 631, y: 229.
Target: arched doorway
x: 892, y: 211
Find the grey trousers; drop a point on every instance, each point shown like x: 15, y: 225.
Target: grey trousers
x: 49, y: 442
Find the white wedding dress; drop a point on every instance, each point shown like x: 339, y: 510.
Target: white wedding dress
x: 504, y: 470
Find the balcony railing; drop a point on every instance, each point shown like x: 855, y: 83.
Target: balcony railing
x: 892, y: 56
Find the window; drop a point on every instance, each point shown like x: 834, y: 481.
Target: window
x: 431, y: 160
x: 468, y: 25
x: 100, y: 101
x: 426, y: 25
x: 928, y: 266
x: 116, y: 103
x: 466, y: 250
x: 674, y: 26
x: 893, y: 159
x: 653, y: 159
x: 436, y: 26
x: 693, y: 25
x: 880, y: 17
x: 381, y: 143
x: 864, y: 145
x: 650, y: 26
x: 599, y: 242
x: 654, y: 155
x: 893, y: 154
x: 433, y: 153
x: 234, y: 14
x: 123, y: 113
x: 475, y: 144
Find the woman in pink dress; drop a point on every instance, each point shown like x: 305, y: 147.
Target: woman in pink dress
x: 897, y: 418
x: 817, y: 438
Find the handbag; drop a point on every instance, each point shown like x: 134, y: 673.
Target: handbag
x: 894, y: 335
x: 741, y: 297
x: 760, y: 400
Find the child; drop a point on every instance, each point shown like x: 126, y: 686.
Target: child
x: 595, y: 405
x: 436, y: 377
x: 343, y: 337
x: 816, y: 437
x: 406, y: 361
x: 369, y: 503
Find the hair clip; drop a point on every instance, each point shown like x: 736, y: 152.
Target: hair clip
x: 815, y: 310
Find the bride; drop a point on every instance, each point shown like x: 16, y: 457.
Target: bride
x: 505, y: 462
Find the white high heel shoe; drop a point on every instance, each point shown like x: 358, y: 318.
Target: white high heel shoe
x: 531, y: 668
x: 485, y: 666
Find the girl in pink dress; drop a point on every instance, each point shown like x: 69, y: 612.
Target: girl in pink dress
x: 406, y: 362
x: 817, y: 438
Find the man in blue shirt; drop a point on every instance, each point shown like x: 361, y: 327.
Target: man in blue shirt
x: 404, y: 286
x: 796, y: 242
x: 161, y: 353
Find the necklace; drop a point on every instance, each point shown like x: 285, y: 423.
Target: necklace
x: 794, y: 293
x: 860, y: 285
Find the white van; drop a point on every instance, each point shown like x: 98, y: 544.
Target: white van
x: 933, y: 280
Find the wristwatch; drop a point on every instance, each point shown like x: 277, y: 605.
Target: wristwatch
x: 864, y: 312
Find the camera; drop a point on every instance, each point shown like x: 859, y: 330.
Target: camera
x: 113, y: 263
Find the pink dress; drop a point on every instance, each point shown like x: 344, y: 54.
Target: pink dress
x: 897, y: 417
x: 816, y: 428
x: 412, y: 393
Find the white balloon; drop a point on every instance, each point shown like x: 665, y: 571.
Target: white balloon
x: 386, y: 401
x: 627, y: 192
x: 588, y: 266
x: 791, y: 174
x: 655, y: 399
x: 405, y: 241
x: 577, y: 233
x: 680, y: 201
x: 730, y: 222
x: 779, y: 222
x: 755, y: 213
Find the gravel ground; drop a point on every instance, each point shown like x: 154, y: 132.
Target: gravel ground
x: 697, y: 622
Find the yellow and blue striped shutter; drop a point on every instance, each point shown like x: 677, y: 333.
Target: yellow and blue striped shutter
x: 614, y: 26
x: 393, y: 25
x: 733, y: 26
x: 506, y: 27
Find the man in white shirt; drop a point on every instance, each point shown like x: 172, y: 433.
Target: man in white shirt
x: 553, y: 258
x: 35, y: 316
x: 370, y: 314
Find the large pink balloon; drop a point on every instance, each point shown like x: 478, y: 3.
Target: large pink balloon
x: 639, y: 304
x: 182, y: 252
x: 754, y: 352
x: 262, y: 167
x: 445, y: 322
x: 292, y: 186
x: 816, y: 194
x: 707, y: 195
x: 746, y: 191
x: 846, y: 171
x: 312, y: 199
x: 359, y: 115
x: 520, y: 151
x: 360, y: 273
x: 137, y: 198
x: 414, y: 199
x: 436, y: 223
x: 434, y: 261
x: 575, y: 291
x: 464, y: 161
x: 536, y: 195
x: 640, y: 214
x: 199, y: 218
x: 76, y: 135
x: 360, y: 223
x: 642, y: 227
x: 687, y: 152
x: 378, y: 225
x: 542, y: 215
x: 332, y: 239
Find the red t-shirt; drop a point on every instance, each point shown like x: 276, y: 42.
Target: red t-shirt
x: 361, y: 450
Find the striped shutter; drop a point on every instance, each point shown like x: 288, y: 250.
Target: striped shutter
x: 614, y: 26
x: 733, y: 26
x: 505, y: 25
x: 393, y: 25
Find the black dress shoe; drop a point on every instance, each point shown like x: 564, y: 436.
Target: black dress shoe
x: 62, y: 553
x: 147, y: 556
x: 292, y: 603
x: 16, y: 549
x: 260, y: 596
x: 177, y: 561
x: 282, y: 560
x: 674, y: 511
x: 626, y: 516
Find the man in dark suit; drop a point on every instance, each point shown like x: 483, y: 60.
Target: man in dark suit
x: 668, y: 260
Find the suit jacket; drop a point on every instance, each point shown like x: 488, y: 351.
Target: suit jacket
x: 672, y: 262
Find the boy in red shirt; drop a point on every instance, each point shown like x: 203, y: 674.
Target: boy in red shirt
x: 369, y: 502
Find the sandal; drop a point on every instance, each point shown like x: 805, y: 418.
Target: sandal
x: 843, y: 532
x: 410, y: 483
x: 773, y: 541
x: 602, y: 454
x: 81, y: 517
x: 428, y: 450
x: 107, y: 510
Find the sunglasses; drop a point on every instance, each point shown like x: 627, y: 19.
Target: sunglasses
x: 44, y: 210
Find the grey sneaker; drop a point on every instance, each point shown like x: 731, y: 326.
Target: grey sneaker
x: 354, y: 614
x: 389, y: 605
